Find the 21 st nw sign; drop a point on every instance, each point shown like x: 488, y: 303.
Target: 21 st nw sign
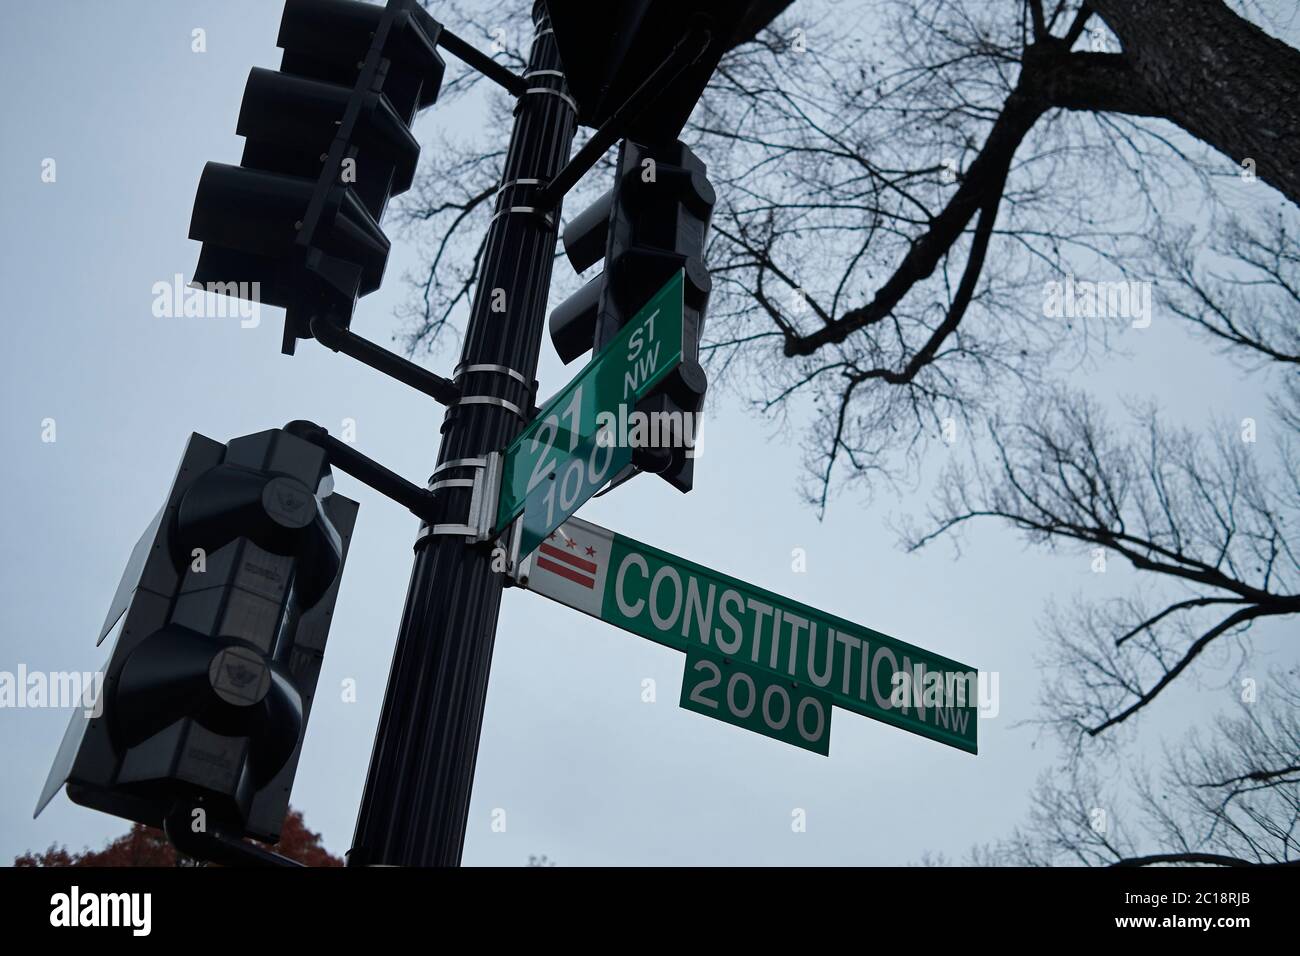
x: 561, y: 459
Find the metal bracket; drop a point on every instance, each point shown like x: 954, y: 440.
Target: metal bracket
x: 518, y: 376
x: 543, y: 214
x: 451, y: 483
x: 568, y: 100
x: 494, y: 401
x: 487, y: 496
x: 510, y: 183
x: 519, y: 203
x: 459, y: 463
x: 518, y: 570
x: 485, y: 492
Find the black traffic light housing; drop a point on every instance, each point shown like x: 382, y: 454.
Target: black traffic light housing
x: 653, y: 223
x: 327, y: 143
x: 218, y: 630
x: 609, y: 48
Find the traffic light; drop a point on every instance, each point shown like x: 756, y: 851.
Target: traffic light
x: 327, y: 143
x: 652, y: 224
x: 217, y: 631
x: 608, y: 50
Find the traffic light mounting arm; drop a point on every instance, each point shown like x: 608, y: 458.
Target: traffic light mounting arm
x: 485, y: 485
x: 366, y: 470
x: 471, y: 56
x: 337, y: 338
x: 213, y: 846
x: 685, y: 52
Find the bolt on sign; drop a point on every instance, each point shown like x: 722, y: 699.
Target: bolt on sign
x: 564, y: 456
x: 797, y: 661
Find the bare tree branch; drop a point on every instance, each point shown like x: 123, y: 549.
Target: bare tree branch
x: 1219, y: 801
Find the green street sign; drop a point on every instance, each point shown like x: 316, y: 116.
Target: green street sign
x: 738, y: 693
x: 565, y: 455
x: 686, y: 606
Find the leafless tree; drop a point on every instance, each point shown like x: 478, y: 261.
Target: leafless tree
x: 1245, y: 294
x: 888, y: 208
x: 1227, y: 798
x: 896, y: 178
x: 1202, y: 515
x: 1210, y: 519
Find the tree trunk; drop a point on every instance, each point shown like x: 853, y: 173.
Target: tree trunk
x: 1219, y: 77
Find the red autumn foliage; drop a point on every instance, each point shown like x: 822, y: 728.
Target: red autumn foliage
x: 147, y: 846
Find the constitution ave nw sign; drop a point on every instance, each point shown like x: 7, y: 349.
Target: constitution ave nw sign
x: 557, y: 463
x: 754, y: 658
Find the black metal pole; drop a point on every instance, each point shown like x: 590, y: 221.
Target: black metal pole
x: 415, y: 807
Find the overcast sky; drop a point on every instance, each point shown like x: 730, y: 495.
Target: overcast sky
x: 586, y: 771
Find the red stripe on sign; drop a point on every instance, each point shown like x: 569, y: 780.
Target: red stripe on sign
x: 569, y: 558
x: 564, y: 572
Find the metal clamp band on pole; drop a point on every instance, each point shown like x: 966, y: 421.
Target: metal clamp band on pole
x: 497, y: 369
x: 460, y: 463
x: 452, y: 530
x: 517, y: 182
x: 543, y: 214
x: 451, y: 483
x: 493, y: 400
x: 560, y: 93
